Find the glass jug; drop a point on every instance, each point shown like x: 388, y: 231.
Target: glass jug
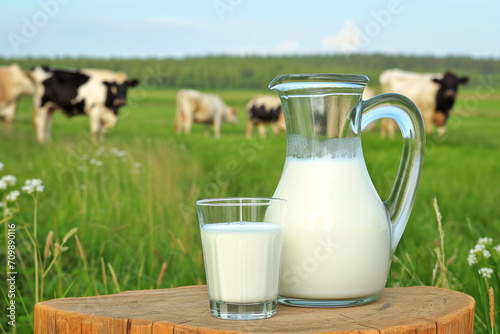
x: 339, y: 235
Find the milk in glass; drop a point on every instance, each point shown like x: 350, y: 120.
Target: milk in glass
x: 242, y: 261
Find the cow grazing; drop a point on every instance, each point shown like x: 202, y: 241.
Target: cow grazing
x: 434, y: 95
x: 263, y: 110
x: 194, y: 106
x: 14, y: 83
x: 93, y: 92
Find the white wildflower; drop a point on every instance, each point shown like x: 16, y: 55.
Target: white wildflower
x: 3, y: 185
x: 7, y: 212
x: 479, y: 248
x: 10, y: 180
x: 486, y: 253
x: 32, y: 186
x: 1, y: 165
x: 36, y: 182
x: 137, y: 165
x: 12, y: 196
x: 96, y: 162
x: 497, y: 248
x: 471, y: 258
x: 485, y: 241
x: 1, y: 204
x: 119, y: 154
x: 485, y: 272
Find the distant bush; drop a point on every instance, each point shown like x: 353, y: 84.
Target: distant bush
x: 222, y: 72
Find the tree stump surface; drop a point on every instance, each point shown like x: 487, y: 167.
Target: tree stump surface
x: 186, y: 310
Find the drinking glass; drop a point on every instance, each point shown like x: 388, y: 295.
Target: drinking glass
x: 242, y: 241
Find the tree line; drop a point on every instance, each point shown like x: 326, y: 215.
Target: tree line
x: 255, y: 72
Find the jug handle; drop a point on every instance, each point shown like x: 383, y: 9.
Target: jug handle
x: 406, y: 114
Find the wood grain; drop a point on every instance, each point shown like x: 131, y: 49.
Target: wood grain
x: 186, y: 310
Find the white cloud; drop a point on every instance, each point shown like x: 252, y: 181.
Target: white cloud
x: 347, y: 40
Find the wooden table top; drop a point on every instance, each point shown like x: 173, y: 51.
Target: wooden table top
x: 186, y: 310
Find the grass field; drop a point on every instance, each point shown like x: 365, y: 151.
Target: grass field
x: 133, y: 198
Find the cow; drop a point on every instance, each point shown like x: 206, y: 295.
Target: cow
x: 434, y: 94
x: 93, y: 92
x: 262, y: 110
x: 198, y: 107
x: 14, y: 83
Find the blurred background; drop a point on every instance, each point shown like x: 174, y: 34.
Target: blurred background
x: 132, y: 195
x: 187, y: 41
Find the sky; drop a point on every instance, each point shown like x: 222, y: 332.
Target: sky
x: 167, y: 28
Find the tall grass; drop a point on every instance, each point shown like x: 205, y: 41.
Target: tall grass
x: 132, y: 199
x: 126, y: 208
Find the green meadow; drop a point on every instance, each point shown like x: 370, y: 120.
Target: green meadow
x: 132, y: 199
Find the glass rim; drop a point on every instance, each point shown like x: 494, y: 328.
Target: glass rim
x: 324, y: 78
x: 245, y: 201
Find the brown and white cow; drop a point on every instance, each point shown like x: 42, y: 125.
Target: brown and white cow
x: 263, y: 110
x: 14, y: 83
x: 198, y: 107
x: 434, y: 94
x: 93, y: 92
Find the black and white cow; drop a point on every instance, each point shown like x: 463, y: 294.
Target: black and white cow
x: 264, y: 110
x: 434, y: 94
x: 93, y: 92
